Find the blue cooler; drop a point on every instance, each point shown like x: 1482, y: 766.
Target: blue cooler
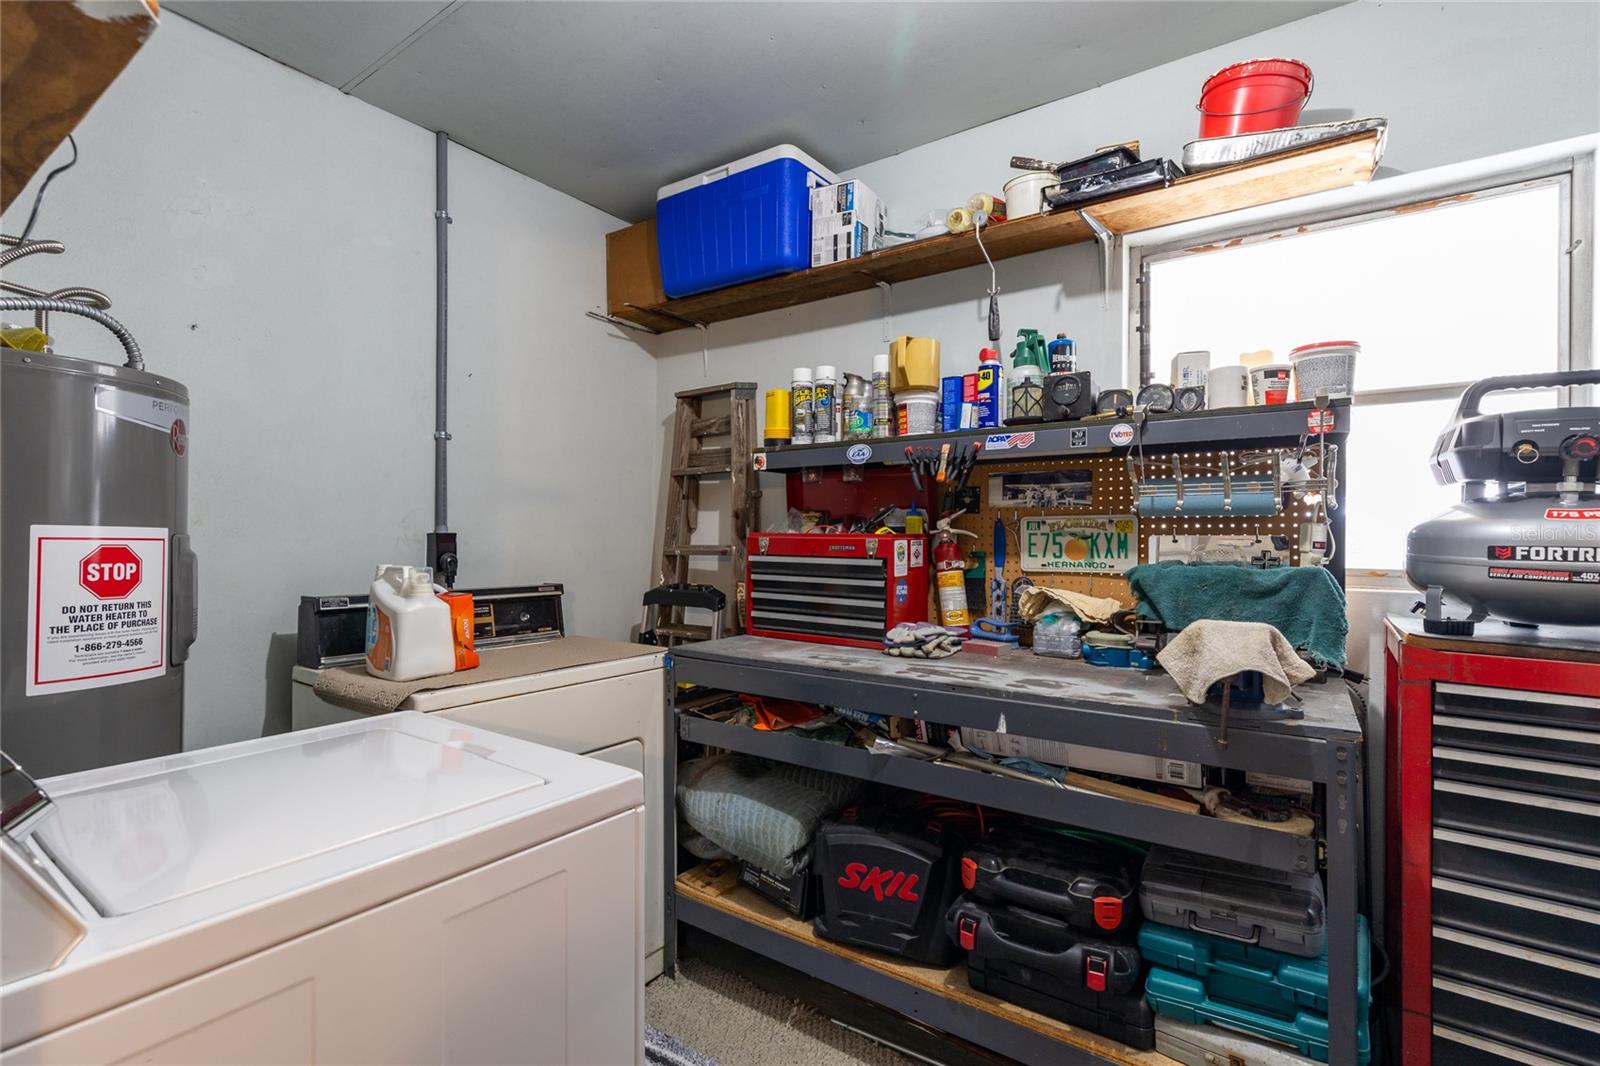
x: 736, y: 223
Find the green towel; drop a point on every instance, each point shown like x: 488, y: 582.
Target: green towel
x: 1304, y: 603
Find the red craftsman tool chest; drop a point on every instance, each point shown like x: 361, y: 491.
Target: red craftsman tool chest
x: 835, y: 588
x: 1493, y: 774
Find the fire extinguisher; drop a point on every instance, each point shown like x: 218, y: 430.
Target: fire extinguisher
x: 950, y: 573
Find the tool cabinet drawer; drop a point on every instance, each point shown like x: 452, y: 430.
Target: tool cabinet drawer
x: 1456, y: 1047
x: 1541, y: 975
x: 1515, y: 866
x: 1509, y: 722
x: 1511, y: 1019
x: 1549, y: 821
x: 1542, y: 924
x: 1546, y: 777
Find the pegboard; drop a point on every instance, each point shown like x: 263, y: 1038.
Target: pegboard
x: 1112, y: 492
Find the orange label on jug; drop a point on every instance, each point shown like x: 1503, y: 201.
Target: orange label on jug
x: 461, y: 628
x: 380, y: 639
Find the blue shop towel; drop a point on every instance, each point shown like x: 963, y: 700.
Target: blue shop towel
x: 1304, y: 603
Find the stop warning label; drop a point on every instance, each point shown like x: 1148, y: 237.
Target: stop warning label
x: 97, y: 602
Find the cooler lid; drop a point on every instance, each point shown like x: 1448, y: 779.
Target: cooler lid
x: 301, y: 807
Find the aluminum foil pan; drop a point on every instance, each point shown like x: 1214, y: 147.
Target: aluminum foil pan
x: 1216, y: 152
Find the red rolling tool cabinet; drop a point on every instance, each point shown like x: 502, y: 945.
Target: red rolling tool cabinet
x: 1494, y: 842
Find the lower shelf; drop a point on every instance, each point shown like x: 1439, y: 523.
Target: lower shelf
x: 709, y: 897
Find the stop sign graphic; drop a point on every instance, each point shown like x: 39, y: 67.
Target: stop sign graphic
x: 110, y: 572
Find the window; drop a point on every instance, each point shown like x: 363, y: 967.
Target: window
x: 1439, y: 294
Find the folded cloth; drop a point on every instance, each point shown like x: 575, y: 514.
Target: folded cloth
x: 762, y: 814
x: 1038, y: 601
x: 920, y: 640
x: 1209, y: 650
x: 1304, y: 603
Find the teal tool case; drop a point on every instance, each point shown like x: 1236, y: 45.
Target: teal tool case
x: 1184, y: 997
x: 1253, y: 976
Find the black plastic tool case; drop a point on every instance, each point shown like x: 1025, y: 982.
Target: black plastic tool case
x: 1040, y: 962
x: 1278, y: 909
x: 794, y: 894
x: 1093, y: 887
x: 885, y: 881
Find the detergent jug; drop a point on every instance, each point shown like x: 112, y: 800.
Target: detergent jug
x: 408, y: 627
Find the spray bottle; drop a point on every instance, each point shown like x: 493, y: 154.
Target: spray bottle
x: 1030, y: 362
x: 950, y: 574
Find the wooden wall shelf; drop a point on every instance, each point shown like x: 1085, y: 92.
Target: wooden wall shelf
x: 1317, y: 168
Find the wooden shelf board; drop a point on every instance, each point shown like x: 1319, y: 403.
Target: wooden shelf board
x: 1315, y: 168
x: 716, y: 884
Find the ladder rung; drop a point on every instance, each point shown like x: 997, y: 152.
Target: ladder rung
x: 701, y: 549
x: 684, y: 632
x: 711, y: 427
x: 710, y: 457
x: 696, y: 471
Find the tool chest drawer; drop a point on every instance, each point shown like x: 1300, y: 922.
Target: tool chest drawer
x: 1542, y: 924
x: 1540, y: 975
x: 1534, y: 725
x: 1550, y: 821
x: 1460, y: 1048
x: 1517, y: 867
x: 1514, y: 1020
x: 1546, y: 777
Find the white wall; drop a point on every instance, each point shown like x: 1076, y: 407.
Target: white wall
x: 1456, y: 81
x: 270, y: 243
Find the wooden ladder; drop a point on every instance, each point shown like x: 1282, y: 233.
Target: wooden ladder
x: 691, y: 462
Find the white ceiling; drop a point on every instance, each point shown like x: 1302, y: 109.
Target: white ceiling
x: 607, y: 101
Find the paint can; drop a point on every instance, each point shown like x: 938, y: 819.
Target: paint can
x: 917, y: 411
x: 1025, y: 192
x: 1270, y: 384
x: 1227, y: 386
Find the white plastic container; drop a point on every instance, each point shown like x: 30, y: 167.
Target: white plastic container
x: 1227, y: 386
x: 917, y: 411
x: 1326, y: 367
x: 1190, y: 369
x: 1269, y: 384
x: 408, y: 627
x: 1025, y: 192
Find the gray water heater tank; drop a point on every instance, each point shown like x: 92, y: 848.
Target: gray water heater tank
x: 98, y: 583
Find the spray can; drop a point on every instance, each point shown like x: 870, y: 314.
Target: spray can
x: 882, y: 402
x: 991, y: 388
x: 800, y: 389
x: 856, y: 407
x: 950, y: 574
x: 1063, y: 356
x: 825, y: 405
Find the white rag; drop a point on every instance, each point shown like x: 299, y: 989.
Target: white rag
x: 1038, y: 601
x: 1212, y: 649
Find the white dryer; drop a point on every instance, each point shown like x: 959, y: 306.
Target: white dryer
x: 399, y: 889
x: 601, y: 698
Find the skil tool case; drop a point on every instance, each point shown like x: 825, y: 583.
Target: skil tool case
x: 1183, y: 997
x: 835, y: 588
x: 1255, y: 976
x: 885, y: 882
x: 1092, y: 887
x: 1277, y: 909
x: 1042, y: 963
x: 735, y: 223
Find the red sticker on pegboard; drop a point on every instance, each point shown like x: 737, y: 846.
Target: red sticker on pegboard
x: 1320, y: 420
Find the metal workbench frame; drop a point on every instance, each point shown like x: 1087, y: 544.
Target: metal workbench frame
x: 1139, y: 713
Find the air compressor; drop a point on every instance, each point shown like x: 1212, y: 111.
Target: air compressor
x: 1524, y: 542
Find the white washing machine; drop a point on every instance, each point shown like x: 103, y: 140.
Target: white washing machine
x: 601, y: 698
x: 399, y: 889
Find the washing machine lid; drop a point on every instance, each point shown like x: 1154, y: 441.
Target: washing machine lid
x: 264, y: 818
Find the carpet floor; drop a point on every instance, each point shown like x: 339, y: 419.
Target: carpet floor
x: 727, y: 1018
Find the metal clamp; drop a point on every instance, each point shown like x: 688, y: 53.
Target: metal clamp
x: 1227, y: 483
x: 1177, y: 485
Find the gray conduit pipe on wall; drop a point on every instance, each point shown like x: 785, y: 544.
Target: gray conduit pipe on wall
x: 441, y: 341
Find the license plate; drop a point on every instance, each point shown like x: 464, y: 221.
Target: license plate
x: 1108, y: 545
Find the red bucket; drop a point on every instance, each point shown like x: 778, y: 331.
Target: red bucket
x: 1253, y: 96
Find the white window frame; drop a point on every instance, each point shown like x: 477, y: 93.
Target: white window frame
x: 1569, y: 164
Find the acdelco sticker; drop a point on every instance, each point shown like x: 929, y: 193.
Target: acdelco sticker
x: 1573, y: 514
x: 1000, y: 442
x: 1543, y: 553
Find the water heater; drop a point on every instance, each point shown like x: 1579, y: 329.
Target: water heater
x: 97, y: 579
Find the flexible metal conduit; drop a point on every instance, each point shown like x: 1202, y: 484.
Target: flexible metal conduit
x: 76, y: 293
x: 21, y: 249
x: 69, y: 307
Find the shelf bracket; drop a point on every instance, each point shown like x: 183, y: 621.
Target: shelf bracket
x: 622, y: 323
x: 884, y: 288
x: 1106, y: 240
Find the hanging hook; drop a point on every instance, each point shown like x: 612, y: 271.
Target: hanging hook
x: 705, y: 348
x: 884, y: 288
x: 1105, y: 238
